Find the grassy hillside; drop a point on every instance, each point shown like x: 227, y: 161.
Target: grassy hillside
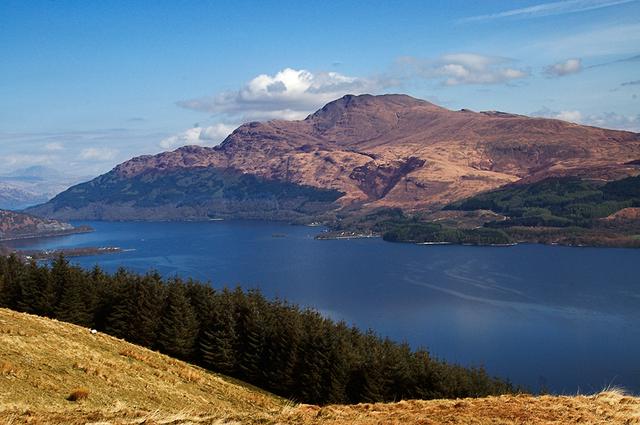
x: 43, y: 361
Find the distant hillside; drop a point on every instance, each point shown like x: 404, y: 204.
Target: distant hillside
x: 43, y: 362
x: 557, y: 210
x: 370, y: 151
x: 15, y: 225
x: 195, y: 193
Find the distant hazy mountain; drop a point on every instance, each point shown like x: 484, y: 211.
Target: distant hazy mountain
x: 33, y: 185
x: 358, y: 152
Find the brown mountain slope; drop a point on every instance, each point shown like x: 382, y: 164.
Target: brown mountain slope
x: 364, y: 145
x: 394, y: 150
x: 42, y: 361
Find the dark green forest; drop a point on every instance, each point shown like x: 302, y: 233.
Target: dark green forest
x: 556, y: 202
x: 293, y: 352
x: 564, y: 210
x: 412, y: 230
x: 204, y: 188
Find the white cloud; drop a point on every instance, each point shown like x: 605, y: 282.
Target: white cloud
x: 42, y: 148
x: 53, y: 147
x: 462, y: 68
x: 614, y: 120
x: 571, y: 116
x: 560, y: 69
x: 98, y: 154
x: 547, y: 9
x: 604, y: 119
x: 289, y: 94
x: 211, y: 135
x: 23, y: 160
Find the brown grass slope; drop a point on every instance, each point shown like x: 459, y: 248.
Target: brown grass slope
x: 44, y: 363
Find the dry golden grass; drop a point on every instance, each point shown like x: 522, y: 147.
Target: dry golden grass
x: 42, y: 362
x: 611, y: 407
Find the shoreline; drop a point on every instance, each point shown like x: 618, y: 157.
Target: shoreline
x: 74, y: 231
x: 49, y: 254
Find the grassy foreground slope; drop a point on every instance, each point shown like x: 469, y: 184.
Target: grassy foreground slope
x: 43, y: 361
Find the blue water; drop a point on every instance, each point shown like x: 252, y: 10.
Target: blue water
x: 564, y: 319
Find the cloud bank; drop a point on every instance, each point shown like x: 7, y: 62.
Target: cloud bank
x: 462, y: 68
x: 289, y: 94
x: 560, y: 69
x: 605, y: 120
x: 211, y: 135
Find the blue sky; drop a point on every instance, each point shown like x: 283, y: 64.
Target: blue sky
x: 85, y: 85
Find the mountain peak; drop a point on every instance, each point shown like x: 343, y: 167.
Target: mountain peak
x: 374, y: 115
x: 350, y: 102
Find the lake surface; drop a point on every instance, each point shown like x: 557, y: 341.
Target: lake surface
x: 564, y: 319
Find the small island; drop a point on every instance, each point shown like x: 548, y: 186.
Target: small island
x: 49, y: 254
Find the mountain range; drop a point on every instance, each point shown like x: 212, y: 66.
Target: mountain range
x: 32, y: 186
x: 357, y: 153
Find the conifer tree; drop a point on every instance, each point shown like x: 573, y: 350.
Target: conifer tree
x: 249, y: 342
x: 178, y: 326
x: 11, y: 290
x: 148, y: 298
x: 37, y: 295
x: 218, y: 339
x: 281, y: 329
x: 76, y: 300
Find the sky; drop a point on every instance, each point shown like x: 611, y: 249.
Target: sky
x: 85, y: 85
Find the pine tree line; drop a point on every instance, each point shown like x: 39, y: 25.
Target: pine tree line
x: 293, y: 352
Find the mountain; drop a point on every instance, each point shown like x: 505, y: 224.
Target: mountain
x: 357, y: 152
x: 18, y: 196
x: 15, y: 225
x: 32, y: 186
x: 125, y: 383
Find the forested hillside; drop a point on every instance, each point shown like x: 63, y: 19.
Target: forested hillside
x: 558, y: 210
x: 293, y: 352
